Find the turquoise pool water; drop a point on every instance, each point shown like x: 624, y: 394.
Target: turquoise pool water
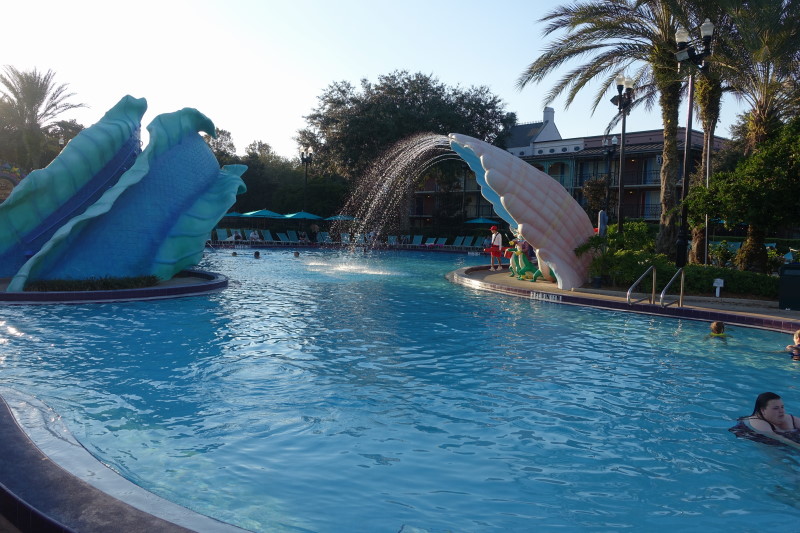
x: 337, y: 392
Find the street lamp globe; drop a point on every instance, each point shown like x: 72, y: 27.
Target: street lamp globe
x: 707, y: 29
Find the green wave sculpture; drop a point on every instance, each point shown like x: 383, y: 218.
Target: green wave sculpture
x: 154, y: 220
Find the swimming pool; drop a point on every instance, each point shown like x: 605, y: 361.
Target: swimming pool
x: 341, y: 392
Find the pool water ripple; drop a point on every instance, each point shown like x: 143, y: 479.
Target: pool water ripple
x: 332, y: 389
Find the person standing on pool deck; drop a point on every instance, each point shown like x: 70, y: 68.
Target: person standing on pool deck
x: 495, y: 249
x: 770, y: 419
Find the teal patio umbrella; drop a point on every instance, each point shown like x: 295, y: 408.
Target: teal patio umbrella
x: 263, y: 213
x: 481, y: 220
x: 303, y: 215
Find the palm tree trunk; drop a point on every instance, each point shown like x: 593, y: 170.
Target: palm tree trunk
x: 668, y: 227
x: 753, y: 254
x: 708, y: 97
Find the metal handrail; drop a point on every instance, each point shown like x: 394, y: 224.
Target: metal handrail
x: 638, y: 281
x: 664, y: 292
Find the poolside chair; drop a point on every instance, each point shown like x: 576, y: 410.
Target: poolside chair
x: 344, y: 238
x: 416, y: 240
x: 359, y: 239
x: 430, y: 241
x: 457, y: 242
x: 292, y: 236
x: 283, y: 238
x: 441, y: 241
x: 323, y: 237
x: 222, y: 234
x: 267, y: 234
x: 467, y: 242
x: 391, y: 240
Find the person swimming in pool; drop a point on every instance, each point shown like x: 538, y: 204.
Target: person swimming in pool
x: 770, y: 419
x: 794, y: 349
x: 718, y: 329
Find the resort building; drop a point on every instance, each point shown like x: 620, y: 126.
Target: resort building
x: 572, y: 162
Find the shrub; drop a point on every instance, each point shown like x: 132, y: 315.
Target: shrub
x: 91, y: 284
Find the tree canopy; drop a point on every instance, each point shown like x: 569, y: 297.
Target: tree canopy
x: 351, y: 126
x: 761, y: 192
x: 30, y: 102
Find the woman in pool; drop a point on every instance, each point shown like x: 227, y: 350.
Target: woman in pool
x: 770, y: 419
x: 794, y: 349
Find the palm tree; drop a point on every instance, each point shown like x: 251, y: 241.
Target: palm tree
x: 760, y: 58
x: 619, y: 35
x: 709, y: 88
x: 29, y: 102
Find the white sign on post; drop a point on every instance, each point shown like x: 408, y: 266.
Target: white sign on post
x: 719, y: 283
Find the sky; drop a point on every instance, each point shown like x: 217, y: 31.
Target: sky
x: 257, y: 67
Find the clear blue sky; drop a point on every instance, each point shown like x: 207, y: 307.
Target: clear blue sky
x: 256, y: 67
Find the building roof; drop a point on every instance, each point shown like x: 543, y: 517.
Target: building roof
x: 523, y: 134
x: 630, y: 149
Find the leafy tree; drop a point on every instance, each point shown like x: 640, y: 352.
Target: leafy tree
x: 221, y: 143
x: 29, y: 102
x: 762, y: 192
x: 351, y: 127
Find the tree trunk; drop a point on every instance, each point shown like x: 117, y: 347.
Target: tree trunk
x: 708, y: 97
x: 698, y: 252
x: 668, y: 226
x: 753, y: 254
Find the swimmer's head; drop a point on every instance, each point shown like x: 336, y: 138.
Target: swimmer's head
x: 717, y: 327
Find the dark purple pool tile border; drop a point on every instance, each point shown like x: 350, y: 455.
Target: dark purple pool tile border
x: 207, y: 282
x: 461, y: 277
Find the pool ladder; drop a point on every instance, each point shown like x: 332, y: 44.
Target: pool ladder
x: 652, y: 297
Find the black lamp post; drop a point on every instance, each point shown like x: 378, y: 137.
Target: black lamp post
x: 693, y: 52
x: 306, y: 157
x: 623, y: 101
x: 610, y: 150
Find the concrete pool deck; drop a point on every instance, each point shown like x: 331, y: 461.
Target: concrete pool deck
x: 763, y: 314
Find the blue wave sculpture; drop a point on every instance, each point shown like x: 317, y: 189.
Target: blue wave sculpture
x: 154, y: 219
x: 46, y: 198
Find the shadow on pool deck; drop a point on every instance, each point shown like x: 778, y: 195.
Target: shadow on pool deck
x: 763, y: 314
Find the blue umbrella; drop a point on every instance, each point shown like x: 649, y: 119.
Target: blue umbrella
x: 481, y: 220
x: 263, y: 213
x: 341, y: 217
x: 303, y: 214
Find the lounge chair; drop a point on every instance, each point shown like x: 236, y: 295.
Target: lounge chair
x: 416, y: 240
x: 441, y: 241
x: 292, y: 236
x: 323, y: 237
x: 430, y: 241
x: 391, y: 240
x: 457, y: 242
x: 359, y: 239
x: 222, y: 234
x: 344, y: 238
x: 283, y: 238
x: 467, y: 242
x: 267, y: 234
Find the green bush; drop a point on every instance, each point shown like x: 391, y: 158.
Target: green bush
x: 91, y: 284
x: 700, y: 280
